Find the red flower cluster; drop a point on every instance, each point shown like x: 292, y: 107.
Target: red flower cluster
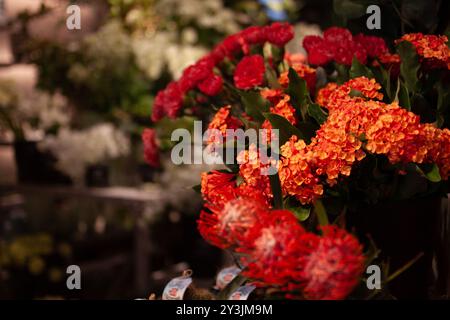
x: 151, y: 151
x: 432, y: 49
x: 330, y: 268
x: 339, y: 45
x: 201, y: 76
x: 277, y: 251
x: 249, y: 72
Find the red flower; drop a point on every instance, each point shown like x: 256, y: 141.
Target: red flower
x: 168, y: 102
x: 254, y: 35
x: 196, y: 73
x: 338, y: 44
x: 218, y: 188
x: 249, y: 72
x: 173, y: 100
x: 211, y: 85
x: 318, y: 52
x: 231, y: 45
x: 151, y: 152
x: 227, y: 226
x: 279, y: 33
x: 158, y: 106
x: 333, y: 267
x: 338, y: 36
x: 375, y: 46
x: 272, y: 249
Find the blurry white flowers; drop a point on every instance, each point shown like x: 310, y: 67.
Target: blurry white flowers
x: 75, y: 150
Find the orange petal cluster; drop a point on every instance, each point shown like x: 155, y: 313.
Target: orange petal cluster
x: 432, y: 49
x: 385, y: 129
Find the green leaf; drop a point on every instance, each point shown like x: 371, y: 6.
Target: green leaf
x: 409, y: 65
x: 298, y: 91
x: 342, y: 73
x: 349, y: 9
x: 275, y: 185
x: 285, y: 128
x: 300, y: 212
x: 433, y: 175
x: 254, y: 104
x: 359, y: 70
x: 403, y: 97
x: 321, y: 213
x: 272, y: 77
x: 315, y: 111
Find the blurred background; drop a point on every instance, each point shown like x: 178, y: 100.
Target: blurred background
x: 74, y: 188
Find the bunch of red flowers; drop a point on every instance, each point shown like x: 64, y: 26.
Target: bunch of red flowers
x: 202, y: 76
x: 338, y: 44
x: 277, y: 251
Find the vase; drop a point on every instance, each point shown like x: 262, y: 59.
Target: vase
x: 97, y: 176
x: 35, y: 166
x: 402, y: 230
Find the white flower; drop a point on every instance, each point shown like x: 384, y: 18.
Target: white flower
x: 76, y: 149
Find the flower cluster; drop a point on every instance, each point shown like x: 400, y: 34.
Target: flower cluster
x: 432, y: 49
x: 277, y: 251
x: 338, y: 44
x: 151, y: 150
x: 221, y: 122
x: 387, y: 128
x: 201, y: 76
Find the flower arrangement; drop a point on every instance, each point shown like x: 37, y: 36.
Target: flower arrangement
x: 354, y: 119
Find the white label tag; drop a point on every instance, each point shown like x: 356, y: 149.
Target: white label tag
x: 176, y: 287
x: 242, y: 293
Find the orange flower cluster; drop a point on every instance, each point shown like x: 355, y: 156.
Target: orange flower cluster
x: 388, y: 129
x: 253, y: 170
x: 222, y: 121
x: 431, y: 48
x: 296, y: 175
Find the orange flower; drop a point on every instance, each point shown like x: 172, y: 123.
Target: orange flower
x: 251, y: 169
x: 305, y: 72
x: 432, y: 49
x: 388, y: 129
x: 222, y: 121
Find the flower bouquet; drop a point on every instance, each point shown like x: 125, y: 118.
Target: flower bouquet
x: 356, y: 124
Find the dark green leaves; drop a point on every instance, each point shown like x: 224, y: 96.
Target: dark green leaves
x: 321, y: 213
x: 275, y: 185
x: 298, y: 91
x: 286, y: 129
x: 300, y: 212
x: 317, y: 113
x: 359, y: 70
x: 409, y: 66
x: 254, y: 104
x: 349, y: 9
x: 300, y: 99
x: 402, y: 96
x: 433, y: 175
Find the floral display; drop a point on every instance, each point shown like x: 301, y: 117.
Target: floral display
x: 278, y: 226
